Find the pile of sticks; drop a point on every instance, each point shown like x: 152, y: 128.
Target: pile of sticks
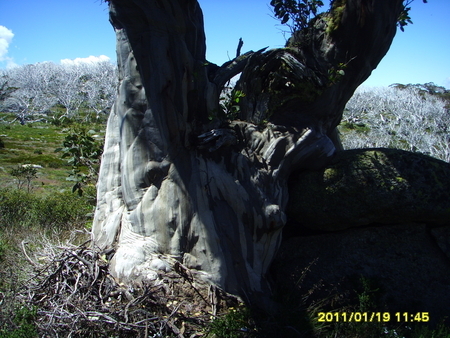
x: 75, y: 296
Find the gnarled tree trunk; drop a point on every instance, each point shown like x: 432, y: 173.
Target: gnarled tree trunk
x: 179, y: 184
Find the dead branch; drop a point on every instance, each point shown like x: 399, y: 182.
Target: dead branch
x: 76, y: 297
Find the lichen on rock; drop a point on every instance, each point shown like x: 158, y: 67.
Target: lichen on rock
x: 367, y: 186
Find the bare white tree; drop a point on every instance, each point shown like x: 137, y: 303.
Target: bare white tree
x: 34, y: 89
x: 407, y: 119
x: 69, y: 88
x: 33, y: 94
x: 99, y: 87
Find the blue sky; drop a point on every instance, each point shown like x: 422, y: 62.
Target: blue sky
x: 53, y: 30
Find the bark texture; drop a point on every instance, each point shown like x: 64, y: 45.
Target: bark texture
x: 175, y: 186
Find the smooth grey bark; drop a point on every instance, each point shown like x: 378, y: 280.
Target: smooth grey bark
x: 177, y: 187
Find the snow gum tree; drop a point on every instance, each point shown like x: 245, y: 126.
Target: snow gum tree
x: 182, y: 182
x: 404, y: 118
x: 30, y: 89
x: 34, y: 89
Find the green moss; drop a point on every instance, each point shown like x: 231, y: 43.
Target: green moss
x: 329, y: 174
x: 401, y: 179
x: 379, y: 185
x: 358, y: 127
x: 335, y: 16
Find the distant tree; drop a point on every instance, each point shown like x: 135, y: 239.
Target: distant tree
x: 34, y: 89
x: 409, y: 117
x: 99, y: 87
x: 68, y: 88
x: 427, y: 88
x: 33, y: 93
x: 24, y: 174
x: 184, y: 181
x: 5, y: 88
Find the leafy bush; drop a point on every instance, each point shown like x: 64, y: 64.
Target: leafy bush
x: 82, y: 150
x: 229, y: 103
x: 57, y: 211
x: 22, y: 325
x: 234, y: 324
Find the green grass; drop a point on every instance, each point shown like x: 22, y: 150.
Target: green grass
x: 28, y: 222
x: 57, y: 211
x: 22, y: 324
x: 237, y: 323
x: 35, y: 144
x: 358, y: 127
x: 50, y: 209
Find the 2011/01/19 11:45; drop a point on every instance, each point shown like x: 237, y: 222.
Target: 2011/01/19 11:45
x: 372, y: 317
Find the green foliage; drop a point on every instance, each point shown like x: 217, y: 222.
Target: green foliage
x: 82, y: 151
x: 56, y: 211
x: 24, y: 174
x: 85, y: 116
x: 235, y: 324
x: 335, y: 74
x: 357, y: 127
x: 404, y: 19
x: 230, y: 103
x: 297, y: 14
x: 367, y: 295
x: 58, y: 119
x: 22, y: 325
x: 420, y: 331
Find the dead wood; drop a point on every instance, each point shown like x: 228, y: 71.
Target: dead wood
x: 75, y: 296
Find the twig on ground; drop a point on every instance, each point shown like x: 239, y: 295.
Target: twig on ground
x: 75, y: 296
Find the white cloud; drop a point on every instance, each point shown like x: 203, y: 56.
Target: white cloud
x: 89, y: 59
x: 6, y: 36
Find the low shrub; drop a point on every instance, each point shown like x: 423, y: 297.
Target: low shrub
x: 20, y: 324
x: 57, y: 211
x: 235, y: 324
